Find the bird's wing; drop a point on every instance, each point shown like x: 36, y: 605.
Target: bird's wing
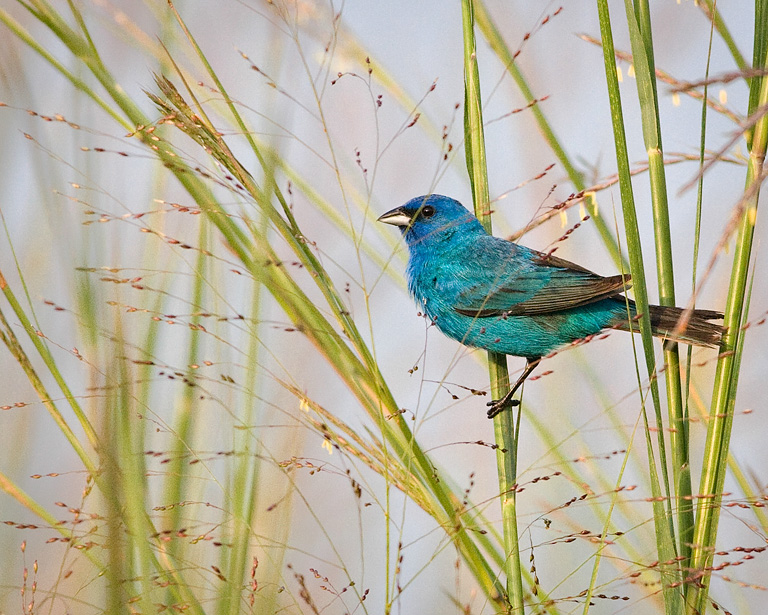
x: 537, y: 284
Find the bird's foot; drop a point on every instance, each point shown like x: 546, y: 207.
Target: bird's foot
x: 498, y: 405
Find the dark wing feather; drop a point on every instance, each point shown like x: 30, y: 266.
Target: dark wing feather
x: 553, y: 261
x: 552, y: 284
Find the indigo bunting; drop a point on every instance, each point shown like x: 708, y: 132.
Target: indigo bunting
x: 490, y: 293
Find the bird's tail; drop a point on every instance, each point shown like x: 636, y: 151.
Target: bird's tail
x: 672, y: 323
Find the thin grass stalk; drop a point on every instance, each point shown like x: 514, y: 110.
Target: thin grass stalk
x: 710, y: 8
x: 129, y: 440
x: 634, y: 247
x: 116, y: 569
x: 726, y: 377
x: 639, y: 20
x: 17, y: 351
x: 664, y: 539
x: 685, y: 531
x: 177, y: 482
x: 242, y: 493
x: 505, y: 430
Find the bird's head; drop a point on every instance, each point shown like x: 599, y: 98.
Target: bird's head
x: 433, y: 218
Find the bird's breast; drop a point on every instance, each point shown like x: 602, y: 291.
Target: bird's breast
x: 436, y: 286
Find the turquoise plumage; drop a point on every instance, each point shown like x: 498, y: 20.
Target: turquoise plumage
x: 490, y: 293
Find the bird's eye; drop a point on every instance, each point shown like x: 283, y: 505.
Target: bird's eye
x: 428, y: 211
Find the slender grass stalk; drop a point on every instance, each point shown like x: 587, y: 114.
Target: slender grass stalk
x: 505, y: 430
x: 177, y: 485
x: 687, y: 520
x: 12, y: 343
x: 710, y: 8
x: 247, y: 469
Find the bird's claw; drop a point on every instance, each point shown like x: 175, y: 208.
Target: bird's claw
x: 498, y: 405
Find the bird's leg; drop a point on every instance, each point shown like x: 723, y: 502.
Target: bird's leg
x: 498, y: 405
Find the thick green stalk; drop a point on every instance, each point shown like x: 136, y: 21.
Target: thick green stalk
x: 638, y: 18
x: 504, y: 428
x: 759, y: 51
x: 727, y: 374
x: 662, y: 521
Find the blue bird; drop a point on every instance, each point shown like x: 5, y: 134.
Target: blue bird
x: 490, y: 293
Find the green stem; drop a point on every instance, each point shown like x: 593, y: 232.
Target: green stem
x: 638, y: 17
x: 710, y: 8
x: 11, y: 341
x: 504, y: 428
x: 687, y: 518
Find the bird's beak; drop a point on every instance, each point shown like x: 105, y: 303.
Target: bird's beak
x: 396, y: 217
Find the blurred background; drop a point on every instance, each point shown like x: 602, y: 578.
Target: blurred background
x: 361, y: 102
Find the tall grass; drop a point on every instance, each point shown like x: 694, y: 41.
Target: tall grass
x: 219, y: 368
